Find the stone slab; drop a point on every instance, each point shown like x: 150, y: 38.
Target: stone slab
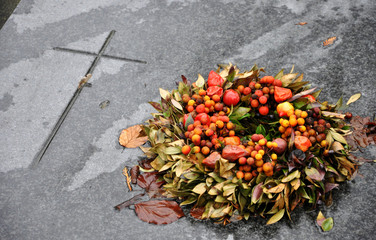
x: 71, y: 194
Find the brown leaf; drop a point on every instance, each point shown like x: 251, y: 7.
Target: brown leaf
x: 329, y: 41
x: 197, y: 212
x: 149, y: 181
x: 301, y: 23
x: 158, y: 212
x: 128, y: 178
x: 131, y: 137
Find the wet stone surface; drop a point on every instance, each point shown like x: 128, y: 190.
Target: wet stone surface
x: 72, y: 192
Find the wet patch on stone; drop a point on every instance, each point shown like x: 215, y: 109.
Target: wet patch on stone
x: 5, y: 102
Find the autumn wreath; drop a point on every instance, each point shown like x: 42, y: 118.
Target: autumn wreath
x: 238, y: 145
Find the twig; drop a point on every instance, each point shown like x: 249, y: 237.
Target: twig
x: 125, y: 173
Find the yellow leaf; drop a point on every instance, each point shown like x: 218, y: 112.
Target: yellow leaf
x: 164, y: 93
x: 329, y: 41
x: 353, y: 98
x: 131, y: 137
x: 176, y: 104
x: 200, y: 81
x: 332, y: 114
x: 277, y: 189
x: 276, y: 217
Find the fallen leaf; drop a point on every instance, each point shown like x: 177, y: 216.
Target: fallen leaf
x: 329, y: 41
x: 320, y: 218
x: 128, y: 178
x: 158, y: 211
x: 353, y: 98
x: 135, y: 171
x: 149, y: 181
x: 327, y: 224
x: 104, y: 104
x: 131, y: 137
x: 301, y: 23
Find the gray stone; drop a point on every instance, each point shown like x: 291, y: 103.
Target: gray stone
x: 72, y: 192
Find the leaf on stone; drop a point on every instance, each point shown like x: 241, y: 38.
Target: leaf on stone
x: 327, y: 224
x: 176, y: 104
x: 329, y: 41
x: 197, y: 212
x: 164, y: 93
x: 132, y: 137
x: 158, y: 211
x: 200, y: 81
x: 353, y: 98
x: 130, y: 202
x: 149, y: 181
x: 320, y: 219
x: 276, y: 217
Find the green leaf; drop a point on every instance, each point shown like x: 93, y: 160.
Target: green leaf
x: 189, y: 121
x: 291, y: 176
x: 239, y: 113
x: 276, y: 217
x: 190, y: 200
x: 353, y: 98
x: 279, y: 75
x: 173, y: 150
x: 261, y: 130
x: 327, y: 224
x: 200, y: 81
x: 199, y: 188
x: 339, y: 103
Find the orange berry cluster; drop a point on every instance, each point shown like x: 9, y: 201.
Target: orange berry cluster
x: 212, y: 127
x: 261, y: 158
x: 305, y: 123
x: 262, y: 92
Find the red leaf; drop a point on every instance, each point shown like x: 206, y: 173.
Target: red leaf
x: 158, y: 212
x: 197, y: 212
x: 149, y: 181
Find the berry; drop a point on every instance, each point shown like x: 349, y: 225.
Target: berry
x: 264, y: 110
x: 186, y: 149
x: 231, y: 97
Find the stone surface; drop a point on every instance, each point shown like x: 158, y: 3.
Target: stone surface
x: 71, y: 193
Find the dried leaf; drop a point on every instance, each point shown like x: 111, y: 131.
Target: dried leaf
x: 353, y: 98
x: 337, y: 136
x: 149, y: 181
x: 200, y: 188
x: 128, y: 178
x: 276, y: 217
x: 164, y: 93
x: 313, y: 173
x: 200, y: 81
x: 176, y: 104
x: 197, y: 212
x: 301, y: 23
x: 257, y: 191
x: 158, y: 211
x: 277, y: 189
x: 333, y: 114
x: 291, y: 176
x: 301, y: 94
x: 329, y: 41
x: 131, y: 137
